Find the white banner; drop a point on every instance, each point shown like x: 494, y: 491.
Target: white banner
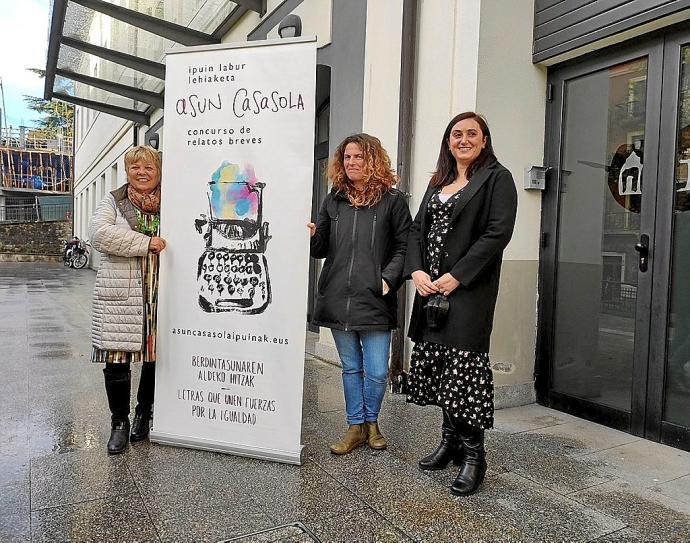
x: 237, y: 182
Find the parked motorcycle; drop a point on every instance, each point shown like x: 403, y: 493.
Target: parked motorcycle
x: 67, y: 249
x: 76, y: 253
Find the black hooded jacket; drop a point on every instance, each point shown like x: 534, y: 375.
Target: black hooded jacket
x: 362, y: 246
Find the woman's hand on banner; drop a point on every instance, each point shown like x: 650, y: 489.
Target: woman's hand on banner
x: 312, y: 228
x: 156, y: 245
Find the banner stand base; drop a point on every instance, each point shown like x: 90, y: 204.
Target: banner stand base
x: 260, y: 453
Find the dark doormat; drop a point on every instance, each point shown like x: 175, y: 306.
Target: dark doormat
x: 287, y: 533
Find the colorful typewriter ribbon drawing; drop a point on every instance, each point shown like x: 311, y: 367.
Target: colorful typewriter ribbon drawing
x: 233, y: 272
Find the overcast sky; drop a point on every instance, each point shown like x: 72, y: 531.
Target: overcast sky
x: 23, y: 44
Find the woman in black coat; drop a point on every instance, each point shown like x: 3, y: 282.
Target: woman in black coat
x: 454, y: 254
x: 361, y: 231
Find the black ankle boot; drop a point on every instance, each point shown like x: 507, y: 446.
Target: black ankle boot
x: 473, y: 467
x: 119, y: 435
x: 143, y: 413
x: 449, y: 449
x: 140, y: 427
x: 117, y: 387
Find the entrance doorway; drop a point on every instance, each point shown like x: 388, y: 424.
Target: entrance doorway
x: 614, y: 338
x: 320, y: 186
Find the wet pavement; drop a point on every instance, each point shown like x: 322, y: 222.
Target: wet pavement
x: 552, y: 477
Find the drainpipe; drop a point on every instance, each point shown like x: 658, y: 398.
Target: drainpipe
x: 405, y: 125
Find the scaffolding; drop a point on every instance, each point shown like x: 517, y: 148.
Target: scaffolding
x: 32, y: 161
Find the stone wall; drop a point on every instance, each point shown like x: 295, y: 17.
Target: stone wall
x: 33, y: 241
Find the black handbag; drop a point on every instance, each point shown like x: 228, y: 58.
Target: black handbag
x: 437, y: 308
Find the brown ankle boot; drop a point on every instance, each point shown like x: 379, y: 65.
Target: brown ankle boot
x: 356, y: 435
x: 374, y: 436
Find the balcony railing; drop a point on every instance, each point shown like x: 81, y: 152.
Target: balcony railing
x: 24, y: 138
x: 51, y: 180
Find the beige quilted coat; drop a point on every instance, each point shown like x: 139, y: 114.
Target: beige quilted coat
x: 118, y: 319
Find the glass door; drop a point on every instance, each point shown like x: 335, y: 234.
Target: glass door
x: 598, y: 236
x: 677, y: 384
x: 614, y: 314
x: 668, y: 417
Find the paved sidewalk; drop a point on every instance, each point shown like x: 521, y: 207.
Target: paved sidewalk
x: 552, y: 477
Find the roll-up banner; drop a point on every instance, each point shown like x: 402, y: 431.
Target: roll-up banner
x: 238, y: 155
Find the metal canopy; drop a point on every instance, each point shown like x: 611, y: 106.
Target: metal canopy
x: 108, y: 55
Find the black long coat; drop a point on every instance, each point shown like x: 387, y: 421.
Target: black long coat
x: 362, y: 246
x: 480, y: 228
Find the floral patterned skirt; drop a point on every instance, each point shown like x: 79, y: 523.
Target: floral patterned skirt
x: 459, y: 381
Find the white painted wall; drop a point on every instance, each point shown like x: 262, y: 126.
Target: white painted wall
x: 103, y: 145
x: 511, y: 93
x: 382, y: 73
x: 446, y: 83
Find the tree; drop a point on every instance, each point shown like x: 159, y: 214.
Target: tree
x: 56, y: 117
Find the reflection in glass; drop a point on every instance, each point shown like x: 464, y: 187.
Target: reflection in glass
x: 677, y: 398
x: 599, y: 223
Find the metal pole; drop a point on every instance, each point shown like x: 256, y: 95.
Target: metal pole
x: 405, y: 125
x: 4, y: 109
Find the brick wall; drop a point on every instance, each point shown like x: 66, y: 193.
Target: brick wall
x: 33, y: 241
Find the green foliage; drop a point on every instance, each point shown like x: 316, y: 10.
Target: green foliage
x: 55, y: 117
x: 149, y: 227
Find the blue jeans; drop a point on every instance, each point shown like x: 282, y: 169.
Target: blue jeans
x: 364, y: 356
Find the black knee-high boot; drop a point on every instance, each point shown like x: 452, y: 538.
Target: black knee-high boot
x: 117, y: 387
x: 450, y: 447
x: 143, y: 411
x: 473, y: 467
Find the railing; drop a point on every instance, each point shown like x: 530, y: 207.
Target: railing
x: 618, y: 298
x: 29, y: 139
x: 35, y: 212
x: 48, y: 181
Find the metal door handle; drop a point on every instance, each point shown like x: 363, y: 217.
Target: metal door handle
x: 642, y: 247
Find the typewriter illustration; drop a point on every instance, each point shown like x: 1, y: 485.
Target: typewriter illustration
x: 232, y: 274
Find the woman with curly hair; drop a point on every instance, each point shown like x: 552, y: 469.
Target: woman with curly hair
x: 361, y: 231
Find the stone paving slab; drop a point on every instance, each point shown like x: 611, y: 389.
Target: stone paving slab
x: 63, y: 479
x: 552, y: 477
x: 639, y: 462
x: 647, y: 515
x: 198, y: 514
x: 530, y: 417
x: 361, y: 525
x: 590, y: 438
x: 117, y: 519
x: 678, y: 489
x: 14, y: 498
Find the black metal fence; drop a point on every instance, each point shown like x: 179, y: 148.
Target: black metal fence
x: 35, y: 212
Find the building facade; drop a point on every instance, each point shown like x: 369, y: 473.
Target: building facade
x: 583, y: 95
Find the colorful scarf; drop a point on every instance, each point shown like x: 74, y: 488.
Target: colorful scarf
x: 148, y: 202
